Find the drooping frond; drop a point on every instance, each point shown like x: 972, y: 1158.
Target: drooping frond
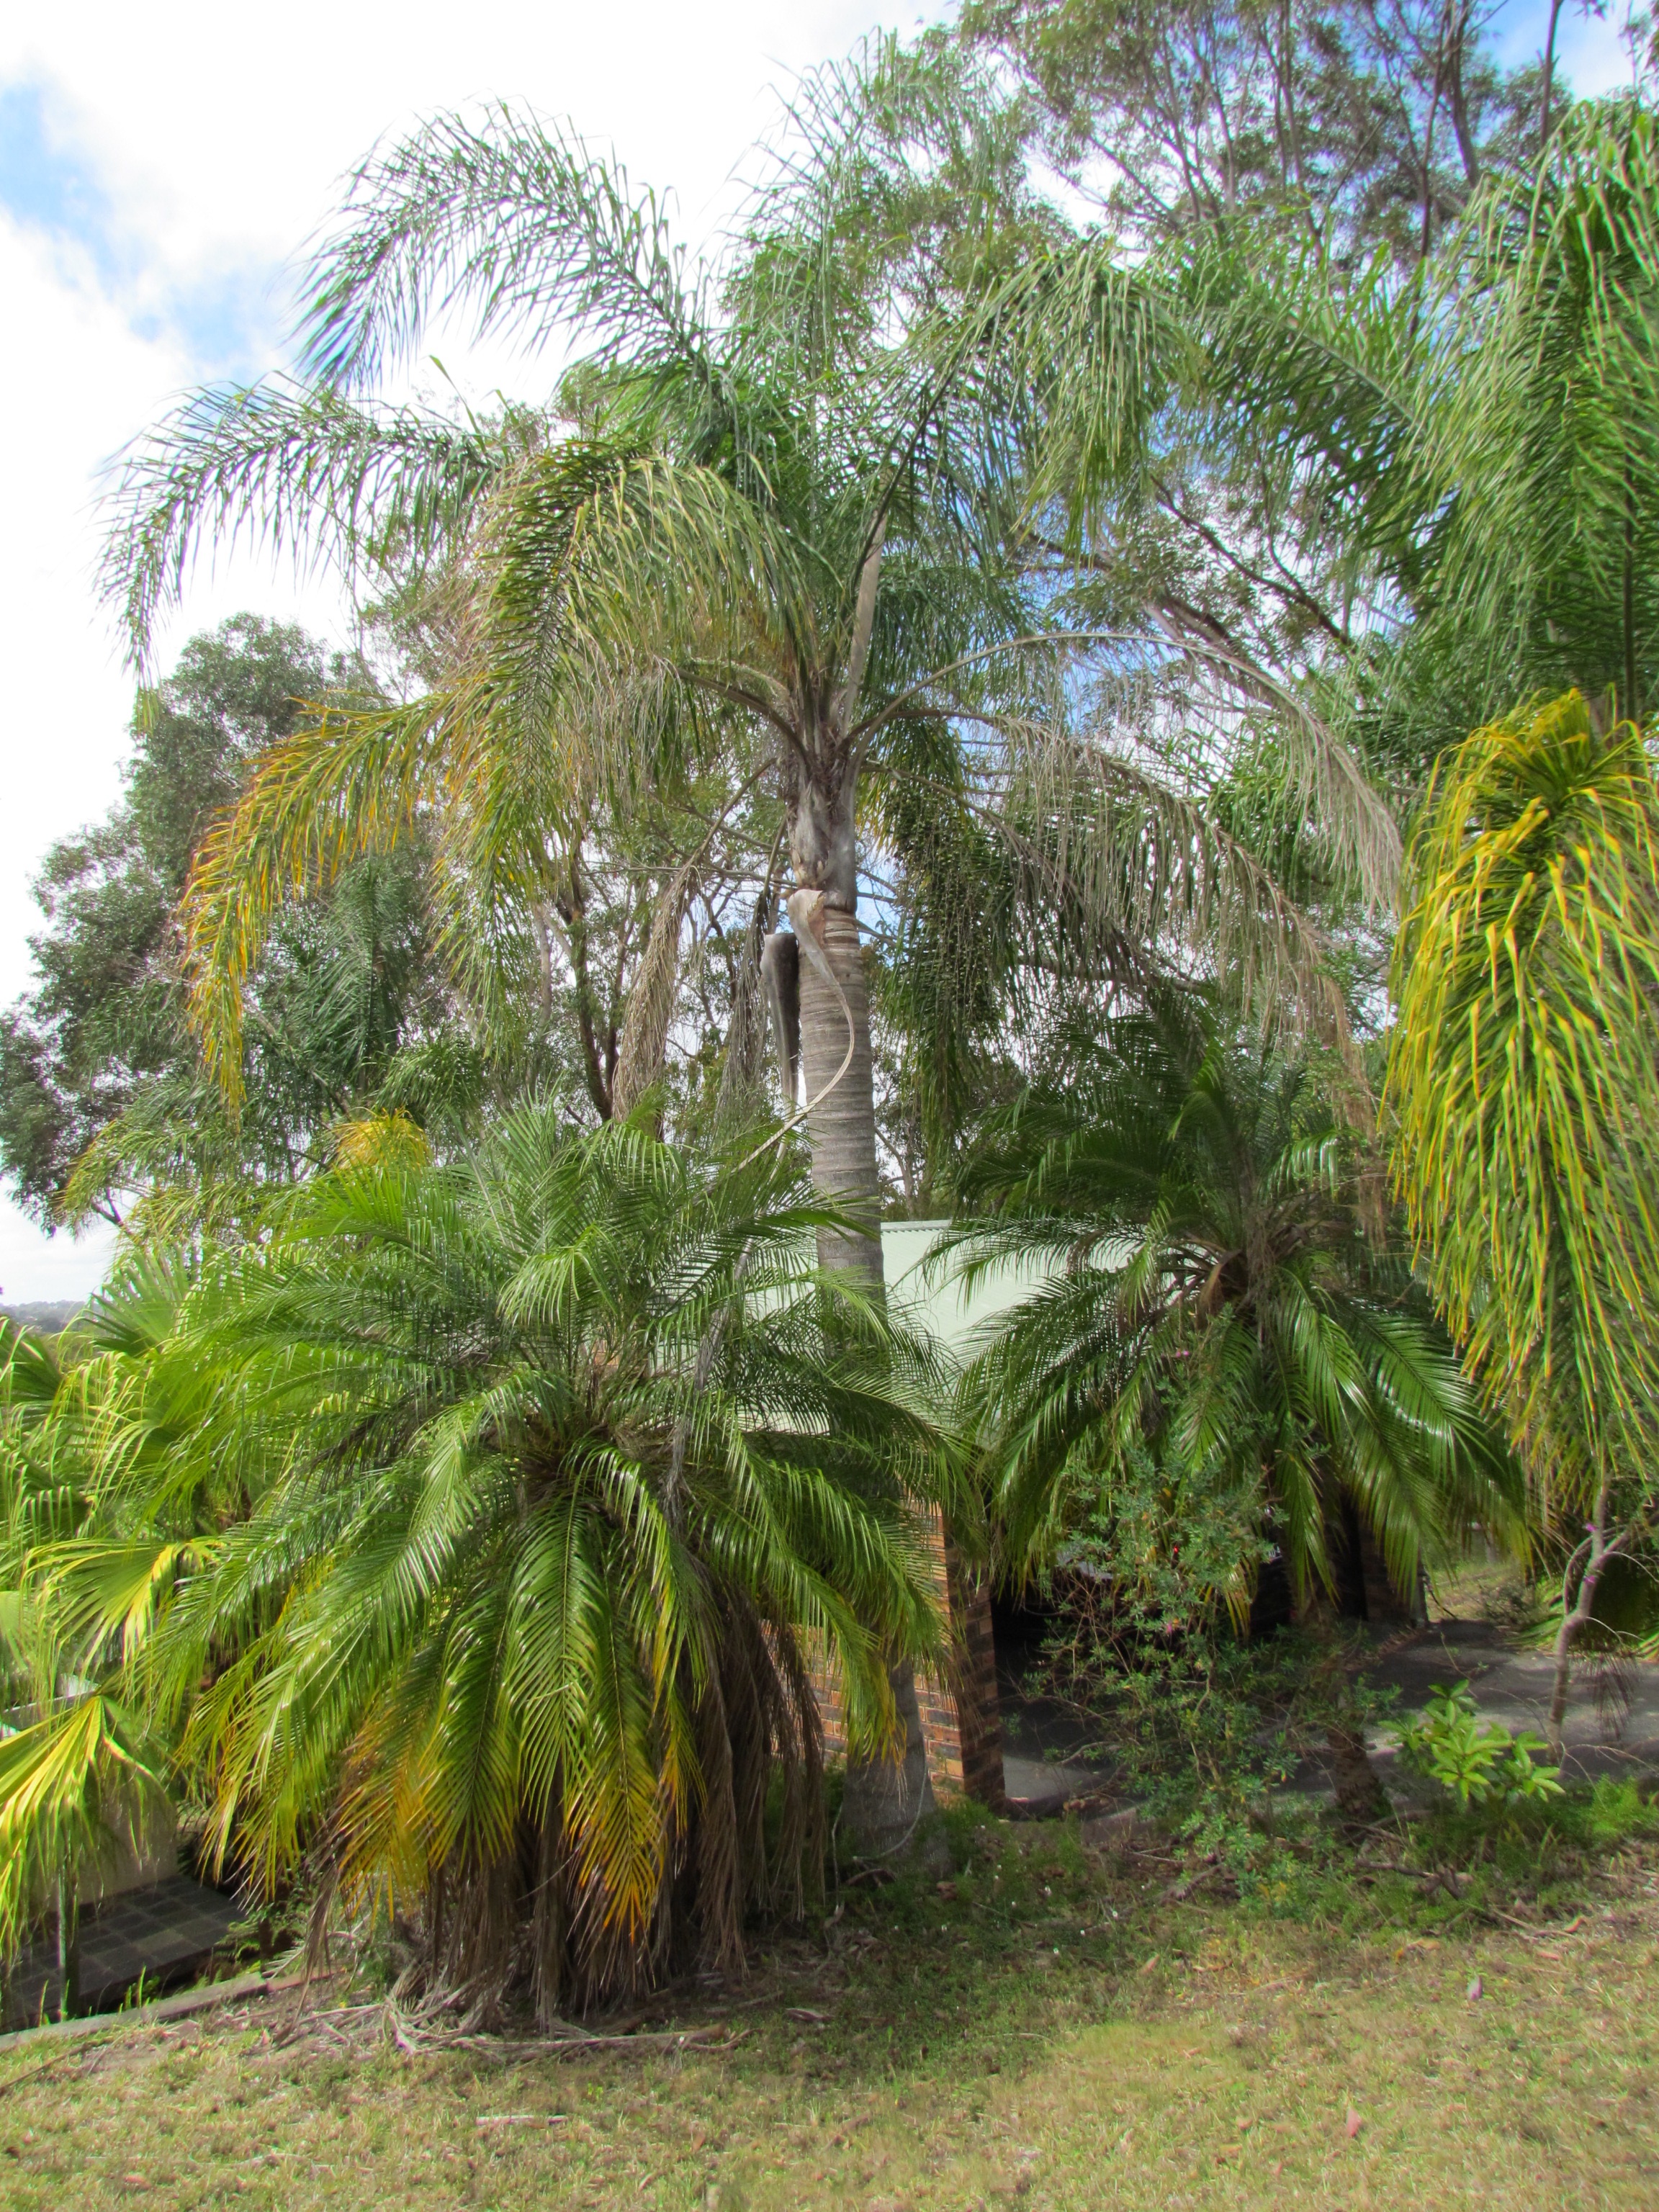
x: 347, y: 784
x: 302, y: 473
x: 1218, y: 357
x: 1522, y: 1085
x: 517, y: 223
x: 1544, y: 448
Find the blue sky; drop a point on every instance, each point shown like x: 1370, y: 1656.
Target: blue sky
x: 42, y: 181
x: 160, y: 167
x: 227, y: 319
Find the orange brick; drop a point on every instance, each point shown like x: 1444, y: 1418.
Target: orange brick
x: 959, y: 1720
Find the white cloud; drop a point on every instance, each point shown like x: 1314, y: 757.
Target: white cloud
x: 34, y: 1268
x: 167, y: 161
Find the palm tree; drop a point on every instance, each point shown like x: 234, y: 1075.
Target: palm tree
x: 1523, y: 1093
x: 1538, y: 448
x: 769, y: 540
x: 1461, y: 471
x: 1483, y: 440
x: 1213, y: 1358
x: 561, y: 1467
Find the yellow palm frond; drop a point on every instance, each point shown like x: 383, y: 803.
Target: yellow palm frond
x: 1523, y: 1086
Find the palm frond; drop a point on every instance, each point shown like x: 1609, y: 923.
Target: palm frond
x: 303, y: 474
x: 516, y: 222
x: 1521, y: 1085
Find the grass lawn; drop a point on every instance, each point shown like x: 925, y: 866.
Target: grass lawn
x: 1047, y: 2029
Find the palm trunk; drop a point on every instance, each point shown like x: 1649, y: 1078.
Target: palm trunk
x: 842, y: 1125
x: 886, y: 1798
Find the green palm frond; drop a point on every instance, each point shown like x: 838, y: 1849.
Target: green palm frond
x: 75, y: 1785
x: 1208, y: 1327
x: 298, y: 470
x: 506, y: 217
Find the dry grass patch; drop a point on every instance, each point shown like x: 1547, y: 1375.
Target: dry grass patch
x: 1011, y: 2041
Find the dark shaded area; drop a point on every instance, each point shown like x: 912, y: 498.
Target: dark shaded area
x: 168, y: 1933
x: 1043, y: 1740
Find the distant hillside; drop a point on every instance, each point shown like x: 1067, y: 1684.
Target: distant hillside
x: 47, y: 1315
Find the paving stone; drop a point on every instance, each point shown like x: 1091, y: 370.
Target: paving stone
x: 166, y: 1933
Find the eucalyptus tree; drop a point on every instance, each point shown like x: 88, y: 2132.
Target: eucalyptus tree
x: 1356, y: 123
x: 103, y: 1021
x: 104, y: 1109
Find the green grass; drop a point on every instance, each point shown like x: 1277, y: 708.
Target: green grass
x: 1056, y: 2034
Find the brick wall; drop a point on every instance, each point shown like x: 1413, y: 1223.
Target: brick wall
x: 959, y: 1718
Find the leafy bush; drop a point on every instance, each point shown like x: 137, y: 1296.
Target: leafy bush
x: 1194, y: 1720
x: 1479, y: 1761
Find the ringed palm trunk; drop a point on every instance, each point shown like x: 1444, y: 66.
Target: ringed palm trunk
x: 886, y: 1798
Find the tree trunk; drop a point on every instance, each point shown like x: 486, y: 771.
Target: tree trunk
x: 1587, y: 1562
x: 1549, y: 79
x: 842, y: 1126
x: 979, y: 1715
x: 1360, y: 1797
x: 885, y: 1798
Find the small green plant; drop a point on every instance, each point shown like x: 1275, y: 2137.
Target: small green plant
x: 1478, y: 1761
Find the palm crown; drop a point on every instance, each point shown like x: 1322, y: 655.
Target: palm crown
x: 1215, y: 1354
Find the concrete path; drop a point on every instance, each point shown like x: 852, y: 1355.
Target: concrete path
x: 1046, y: 1754
x: 1047, y: 1758
x: 1603, y: 1734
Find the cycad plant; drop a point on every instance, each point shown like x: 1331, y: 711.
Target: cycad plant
x: 1211, y: 1354
x: 1523, y: 1093
x: 560, y: 1467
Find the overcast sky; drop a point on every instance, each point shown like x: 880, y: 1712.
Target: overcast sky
x: 159, y: 168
